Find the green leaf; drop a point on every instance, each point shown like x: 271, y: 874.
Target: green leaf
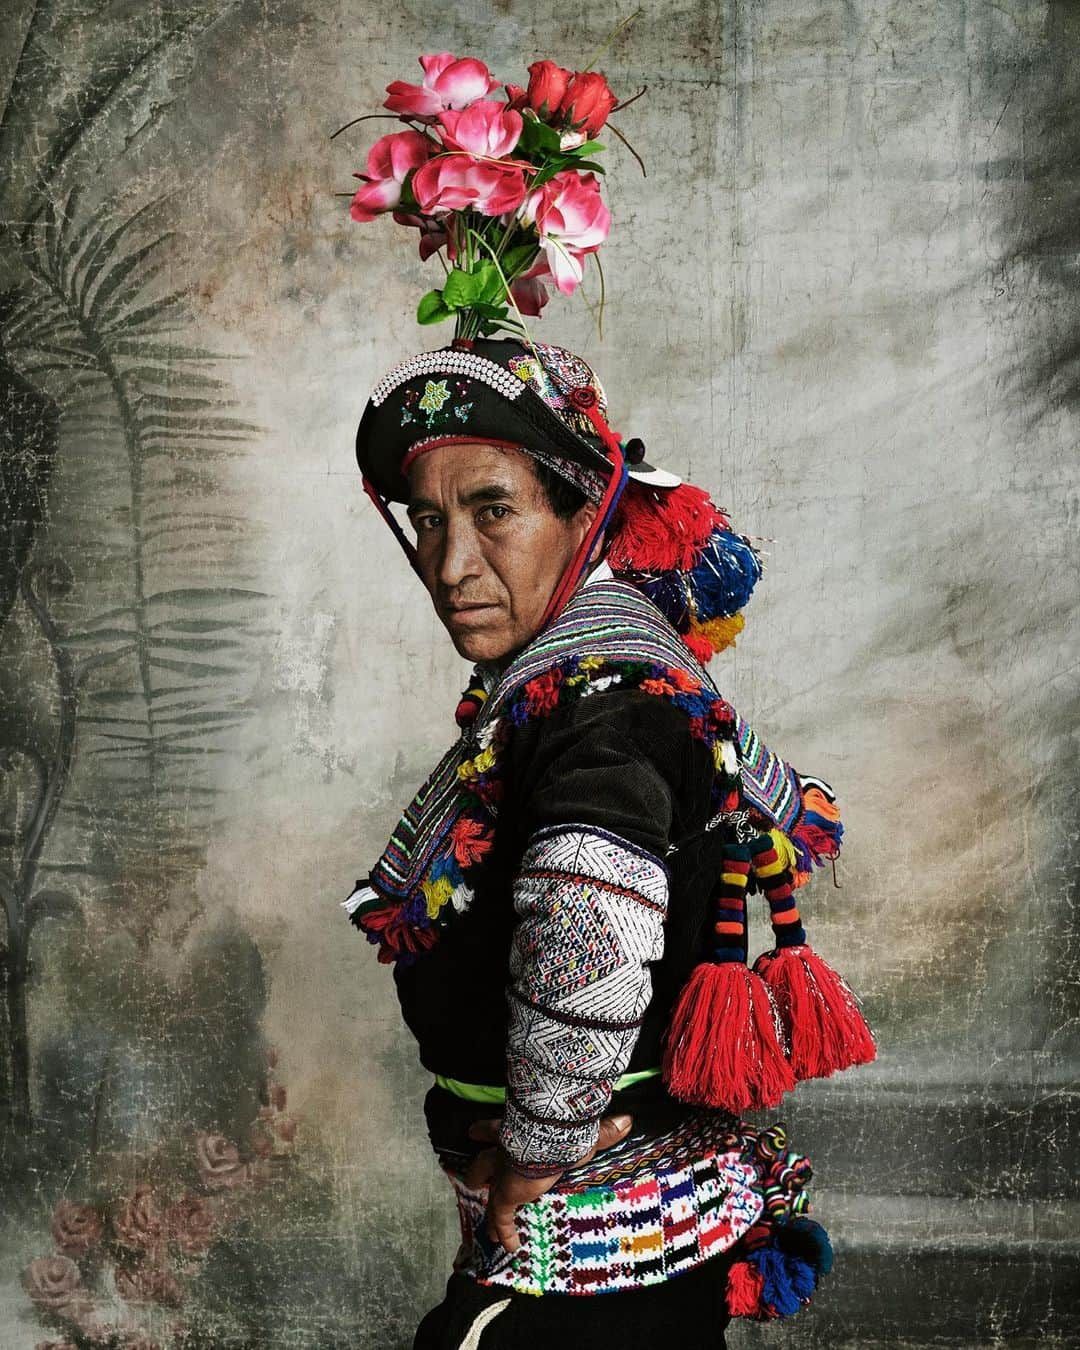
x: 519, y: 257
x: 461, y: 289
x: 589, y: 148
x: 431, y: 308
x: 536, y: 135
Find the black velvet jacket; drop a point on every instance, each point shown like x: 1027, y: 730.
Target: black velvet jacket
x: 620, y: 760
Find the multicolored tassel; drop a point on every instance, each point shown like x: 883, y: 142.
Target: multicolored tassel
x: 723, y: 1045
x: 824, y: 1028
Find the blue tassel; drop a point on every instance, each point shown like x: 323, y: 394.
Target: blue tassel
x: 776, y: 1288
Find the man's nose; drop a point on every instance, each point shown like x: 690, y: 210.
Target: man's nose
x: 460, y: 556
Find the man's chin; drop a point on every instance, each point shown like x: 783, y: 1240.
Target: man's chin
x: 480, y: 646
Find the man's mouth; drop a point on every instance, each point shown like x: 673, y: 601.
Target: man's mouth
x: 466, y: 613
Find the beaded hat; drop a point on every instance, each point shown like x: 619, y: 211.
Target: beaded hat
x: 540, y: 398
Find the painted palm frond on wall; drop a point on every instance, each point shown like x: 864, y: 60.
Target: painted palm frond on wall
x: 129, y: 622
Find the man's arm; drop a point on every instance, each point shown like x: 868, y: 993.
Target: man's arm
x: 591, y: 894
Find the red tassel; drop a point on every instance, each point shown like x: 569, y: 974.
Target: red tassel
x: 744, y: 1285
x: 722, y: 1046
x: 824, y: 1027
x: 657, y: 529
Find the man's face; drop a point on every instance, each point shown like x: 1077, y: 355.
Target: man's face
x: 489, y: 547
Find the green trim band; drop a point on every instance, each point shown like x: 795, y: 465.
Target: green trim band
x: 482, y: 1092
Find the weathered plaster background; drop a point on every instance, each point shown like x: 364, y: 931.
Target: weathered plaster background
x: 845, y: 299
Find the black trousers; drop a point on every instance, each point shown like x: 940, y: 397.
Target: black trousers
x: 686, y: 1312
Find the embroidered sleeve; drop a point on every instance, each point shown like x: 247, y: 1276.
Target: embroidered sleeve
x: 591, y: 909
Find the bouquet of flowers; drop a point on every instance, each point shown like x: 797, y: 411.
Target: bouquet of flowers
x: 506, y: 186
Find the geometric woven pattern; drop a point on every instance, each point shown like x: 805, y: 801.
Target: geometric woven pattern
x: 591, y: 910
x: 675, y: 1202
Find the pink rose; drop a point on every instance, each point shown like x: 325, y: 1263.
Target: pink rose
x: 55, y: 1285
x: 219, y: 1162
x: 587, y: 101
x: 76, y: 1228
x: 448, y: 83
x: 571, y: 219
x: 459, y: 182
x: 140, y: 1225
x: 490, y: 130
x: 192, y: 1224
x: 390, y: 160
x: 547, y: 86
x: 516, y: 97
x: 285, y: 1128
x: 530, y: 294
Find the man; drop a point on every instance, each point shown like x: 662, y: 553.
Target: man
x: 545, y: 898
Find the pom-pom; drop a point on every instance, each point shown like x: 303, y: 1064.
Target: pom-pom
x: 782, y: 1277
x: 823, y: 1024
x: 699, y: 647
x: 724, y: 576
x: 722, y: 1047
x: 807, y: 1240
x: 661, y: 529
x: 743, y: 1294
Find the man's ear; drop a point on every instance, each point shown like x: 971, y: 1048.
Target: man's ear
x: 584, y: 517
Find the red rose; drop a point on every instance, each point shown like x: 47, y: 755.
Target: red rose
x: 140, y: 1225
x: 547, y: 87
x: 587, y: 102
x: 75, y: 1228
x: 219, y: 1163
x: 55, y: 1285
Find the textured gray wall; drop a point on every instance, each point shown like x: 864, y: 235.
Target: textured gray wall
x: 845, y: 300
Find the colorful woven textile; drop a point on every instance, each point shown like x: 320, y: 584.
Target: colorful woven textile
x: 641, y: 1212
x: 609, y: 634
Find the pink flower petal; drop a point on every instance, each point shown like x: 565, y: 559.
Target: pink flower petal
x: 486, y: 128
x: 463, y: 82
x: 374, y: 198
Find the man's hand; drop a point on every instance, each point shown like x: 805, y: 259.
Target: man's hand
x: 494, y: 1168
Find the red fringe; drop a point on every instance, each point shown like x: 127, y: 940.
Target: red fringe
x: 744, y: 1285
x: 825, y: 1029
x: 657, y: 529
x: 700, y: 647
x: 722, y: 1047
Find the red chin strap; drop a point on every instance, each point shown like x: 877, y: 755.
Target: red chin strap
x: 584, y: 400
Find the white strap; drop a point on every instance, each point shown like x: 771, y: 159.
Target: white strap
x: 472, y: 1339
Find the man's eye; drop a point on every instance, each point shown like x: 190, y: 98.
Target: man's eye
x: 496, y: 511
x: 425, y: 524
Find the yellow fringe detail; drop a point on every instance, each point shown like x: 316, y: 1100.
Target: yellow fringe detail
x: 785, y: 849
x: 591, y: 662
x: 436, y: 893
x: 719, y: 633
x: 472, y: 768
